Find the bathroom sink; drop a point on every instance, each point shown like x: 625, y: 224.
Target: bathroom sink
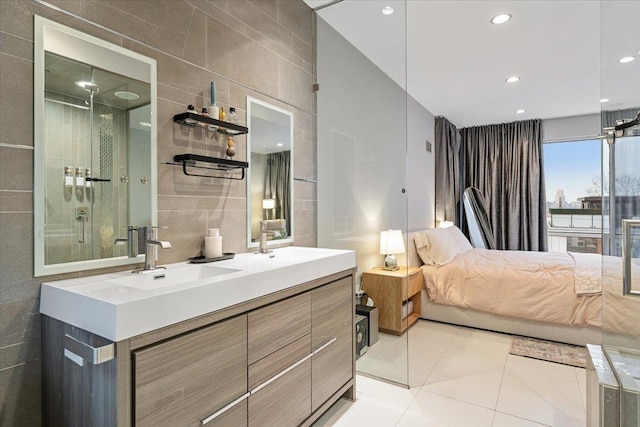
x: 172, y: 276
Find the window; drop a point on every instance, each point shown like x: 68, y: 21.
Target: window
x: 574, y: 196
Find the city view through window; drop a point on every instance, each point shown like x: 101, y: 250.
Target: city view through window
x: 574, y: 196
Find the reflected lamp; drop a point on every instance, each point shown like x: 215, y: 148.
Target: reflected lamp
x: 391, y: 243
x: 267, y: 205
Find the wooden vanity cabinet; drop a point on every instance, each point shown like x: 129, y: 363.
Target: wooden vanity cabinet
x: 280, y: 360
x: 331, y: 339
x: 185, y: 380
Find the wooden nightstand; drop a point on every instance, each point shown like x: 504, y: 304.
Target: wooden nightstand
x: 389, y: 289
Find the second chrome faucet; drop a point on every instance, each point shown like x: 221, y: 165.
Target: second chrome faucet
x: 144, y: 240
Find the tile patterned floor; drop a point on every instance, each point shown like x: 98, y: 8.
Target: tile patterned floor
x: 460, y: 377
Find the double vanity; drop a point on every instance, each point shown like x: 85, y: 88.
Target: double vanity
x: 258, y: 340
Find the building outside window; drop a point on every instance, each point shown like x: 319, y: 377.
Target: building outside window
x: 574, y: 196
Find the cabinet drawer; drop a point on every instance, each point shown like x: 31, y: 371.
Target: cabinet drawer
x: 278, y: 325
x: 278, y: 361
x: 332, y: 318
x: 416, y: 282
x: 183, y: 381
x: 285, y: 402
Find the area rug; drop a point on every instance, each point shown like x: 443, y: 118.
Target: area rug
x: 550, y: 351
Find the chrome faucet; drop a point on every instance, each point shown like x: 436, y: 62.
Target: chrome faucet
x: 146, y: 243
x: 263, y: 237
x: 131, y: 241
x: 148, y: 237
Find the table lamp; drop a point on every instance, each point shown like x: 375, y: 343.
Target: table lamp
x: 267, y: 205
x: 391, y: 243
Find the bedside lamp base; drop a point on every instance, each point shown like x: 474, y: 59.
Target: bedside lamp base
x: 390, y: 263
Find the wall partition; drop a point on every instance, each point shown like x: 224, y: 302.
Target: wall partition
x: 362, y: 170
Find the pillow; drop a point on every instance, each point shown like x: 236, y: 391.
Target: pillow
x: 439, y: 246
x: 462, y: 241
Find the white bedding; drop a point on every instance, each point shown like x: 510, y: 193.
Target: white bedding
x: 532, y: 285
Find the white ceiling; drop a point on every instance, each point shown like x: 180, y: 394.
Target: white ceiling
x: 455, y: 62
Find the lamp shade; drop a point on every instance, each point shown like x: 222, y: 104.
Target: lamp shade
x: 391, y: 242
x: 268, y: 203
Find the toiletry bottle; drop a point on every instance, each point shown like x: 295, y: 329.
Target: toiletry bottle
x: 68, y: 176
x: 214, y: 111
x: 204, y: 113
x: 213, y: 244
x: 87, y: 181
x: 223, y: 115
x: 79, y: 177
x: 233, y: 116
x: 190, y: 109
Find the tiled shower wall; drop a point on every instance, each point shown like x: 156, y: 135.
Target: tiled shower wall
x: 261, y: 48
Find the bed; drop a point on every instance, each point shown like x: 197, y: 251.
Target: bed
x: 538, y: 294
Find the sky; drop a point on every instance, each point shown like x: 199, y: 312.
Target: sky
x: 571, y: 166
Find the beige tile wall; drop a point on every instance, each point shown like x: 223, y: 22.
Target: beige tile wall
x: 261, y: 48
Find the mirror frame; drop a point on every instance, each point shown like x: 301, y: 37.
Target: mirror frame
x: 53, y: 37
x: 290, y: 238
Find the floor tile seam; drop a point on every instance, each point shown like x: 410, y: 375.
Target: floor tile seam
x: 457, y: 400
x: 522, y: 418
x: 435, y: 365
x: 554, y: 377
x: 582, y: 397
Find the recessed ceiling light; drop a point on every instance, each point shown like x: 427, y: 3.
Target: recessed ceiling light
x: 387, y: 10
x: 603, y: 100
x: 500, y: 19
x: 280, y: 144
x: 626, y: 59
x: 122, y: 94
x: 84, y: 84
x: 513, y: 79
x: 521, y: 111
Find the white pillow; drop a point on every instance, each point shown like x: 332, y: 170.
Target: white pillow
x: 460, y: 238
x: 439, y: 246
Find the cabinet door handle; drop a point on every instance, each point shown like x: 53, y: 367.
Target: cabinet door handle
x: 95, y: 355
x: 281, y: 373
x: 225, y: 409
x: 325, y: 345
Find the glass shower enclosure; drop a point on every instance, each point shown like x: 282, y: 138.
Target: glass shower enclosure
x: 362, y: 170
x: 620, y: 81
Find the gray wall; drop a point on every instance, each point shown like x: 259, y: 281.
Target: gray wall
x: 574, y: 127
x: 371, y: 144
x: 265, y: 45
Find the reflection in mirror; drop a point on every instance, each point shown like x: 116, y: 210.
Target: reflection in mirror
x: 94, y: 149
x: 270, y: 180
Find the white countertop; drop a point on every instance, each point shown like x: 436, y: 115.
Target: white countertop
x: 121, y: 305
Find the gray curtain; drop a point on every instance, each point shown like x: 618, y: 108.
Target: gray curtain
x: 505, y: 162
x: 448, y: 182
x: 276, y: 184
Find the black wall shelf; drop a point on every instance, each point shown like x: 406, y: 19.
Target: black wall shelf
x: 189, y: 119
x: 197, y: 161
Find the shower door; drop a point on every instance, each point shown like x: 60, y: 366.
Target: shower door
x: 620, y: 82
x: 97, y: 156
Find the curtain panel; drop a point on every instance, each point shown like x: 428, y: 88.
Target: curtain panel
x: 448, y: 180
x: 505, y: 162
x: 277, y: 186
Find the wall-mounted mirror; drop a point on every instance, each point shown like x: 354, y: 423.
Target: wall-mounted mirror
x: 94, y: 148
x: 270, y: 177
